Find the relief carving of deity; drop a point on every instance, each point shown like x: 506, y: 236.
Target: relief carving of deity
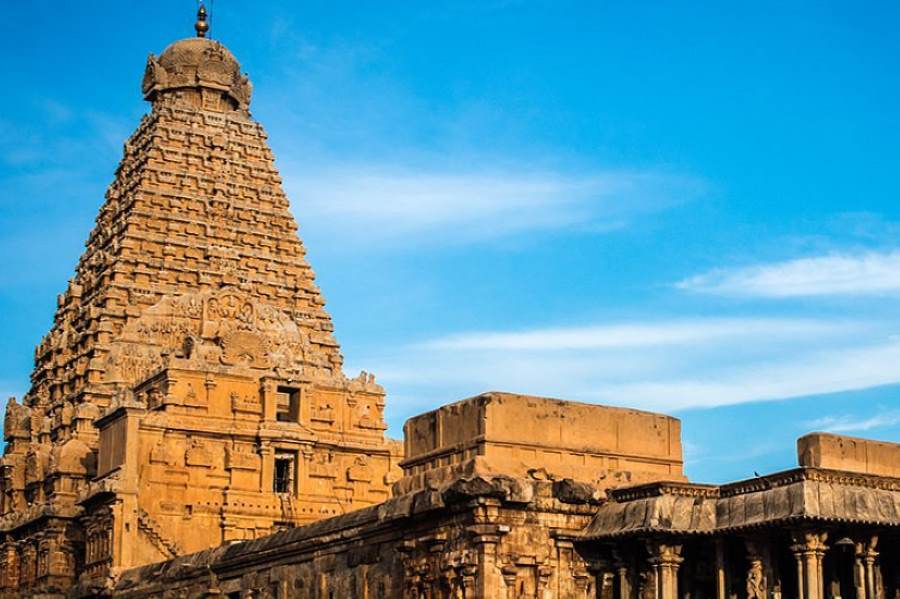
x: 229, y: 306
x: 756, y: 581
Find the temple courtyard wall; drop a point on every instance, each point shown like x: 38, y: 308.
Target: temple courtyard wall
x: 466, y: 523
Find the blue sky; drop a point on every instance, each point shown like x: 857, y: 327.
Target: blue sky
x: 686, y: 207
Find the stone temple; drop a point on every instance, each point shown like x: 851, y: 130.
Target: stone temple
x: 189, y: 431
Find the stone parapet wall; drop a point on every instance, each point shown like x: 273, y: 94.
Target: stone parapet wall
x: 518, y: 435
x: 851, y: 454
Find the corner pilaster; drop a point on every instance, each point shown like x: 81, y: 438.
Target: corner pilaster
x: 809, y: 550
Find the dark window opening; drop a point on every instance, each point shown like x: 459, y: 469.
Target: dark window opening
x: 284, y: 473
x: 287, y: 404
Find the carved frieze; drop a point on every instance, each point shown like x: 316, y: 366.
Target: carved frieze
x: 360, y: 470
x: 237, y: 458
x: 132, y: 362
x: 244, y: 348
x: 214, y: 328
x: 199, y: 455
x: 163, y: 453
x: 247, y: 403
x: 323, y: 411
x: 322, y: 465
x: 194, y: 399
x: 369, y: 416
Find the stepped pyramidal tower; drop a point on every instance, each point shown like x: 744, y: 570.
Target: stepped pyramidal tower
x: 190, y: 390
x: 189, y: 432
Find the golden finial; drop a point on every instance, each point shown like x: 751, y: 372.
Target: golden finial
x: 201, y: 26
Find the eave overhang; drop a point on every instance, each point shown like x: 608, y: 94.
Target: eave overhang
x: 791, y: 498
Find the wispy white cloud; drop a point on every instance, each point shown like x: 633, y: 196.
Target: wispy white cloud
x: 383, y: 205
x: 357, y: 170
x: 833, y: 274
x: 847, y: 423
x: 841, y: 367
x: 663, y: 333
x: 666, y: 365
x: 831, y: 371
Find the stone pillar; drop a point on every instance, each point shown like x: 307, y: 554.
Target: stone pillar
x: 584, y: 584
x: 801, y: 586
x: 598, y: 571
x: 866, y: 569
x: 665, y: 559
x: 624, y: 580
x: 607, y: 585
x: 721, y: 582
x: 574, y: 575
x: 809, y: 550
x: 859, y: 571
x: 510, y: 573
x: 544, y: 575
x: 267, y: 463
x: 486, y: 538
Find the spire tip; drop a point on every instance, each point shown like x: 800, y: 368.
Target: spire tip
x: 202, y: 25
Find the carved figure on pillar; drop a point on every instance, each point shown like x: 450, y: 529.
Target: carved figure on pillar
x: 756, y: 580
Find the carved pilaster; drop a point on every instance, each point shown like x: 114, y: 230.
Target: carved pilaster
x: 510, y: 574
x: 574, y: 572
x: 809, y: 551
x: 485, y: 538
x: 544, y: 574
x: 866, y: 569
x: 13, y: 565
x: 665, y: 559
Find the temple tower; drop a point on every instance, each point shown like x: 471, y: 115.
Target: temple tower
x: 190, y: 390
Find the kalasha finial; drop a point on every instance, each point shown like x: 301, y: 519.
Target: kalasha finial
x: 201, y: 26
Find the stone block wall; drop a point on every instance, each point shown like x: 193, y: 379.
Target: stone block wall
x: 478, y: 537
x: 519, y: 434
x: 851, y: 454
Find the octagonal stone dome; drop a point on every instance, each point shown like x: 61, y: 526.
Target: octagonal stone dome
x: 197, y: 63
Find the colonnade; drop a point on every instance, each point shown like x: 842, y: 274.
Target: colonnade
x: 804, y: 564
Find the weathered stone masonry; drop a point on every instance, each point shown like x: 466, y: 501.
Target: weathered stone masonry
x: 807, y: 533
x: 189, y: 431
x: 190, y: 390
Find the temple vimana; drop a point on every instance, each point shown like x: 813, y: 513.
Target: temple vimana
x: 189, y: 431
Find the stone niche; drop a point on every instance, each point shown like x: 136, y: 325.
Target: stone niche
x: 526, y: 436
x: 850, y: 454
